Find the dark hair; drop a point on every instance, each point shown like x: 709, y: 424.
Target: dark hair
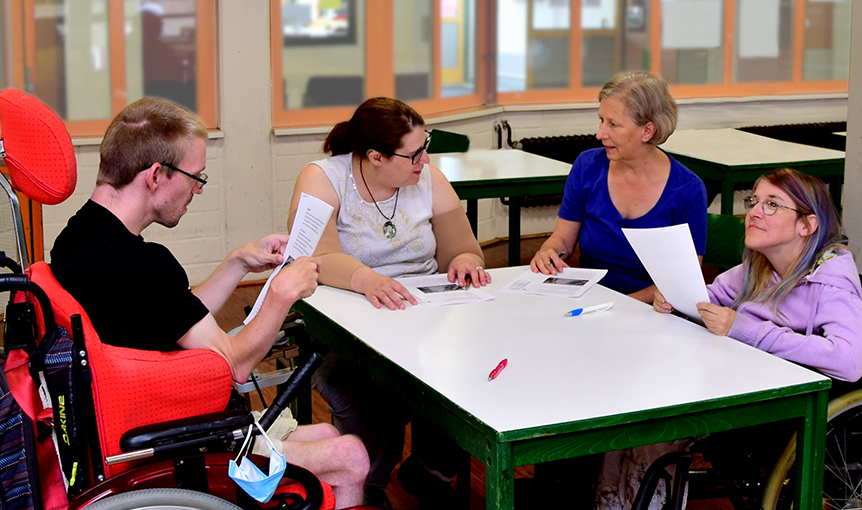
x: 148, y: 131
x: 378, y: 124
x: 647, y: 99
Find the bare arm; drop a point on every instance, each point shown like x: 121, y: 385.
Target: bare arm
x: 253, y: 257
x: 244, y: 351
x: 458, y: 252
x: 339, y: 269
x: 558, y: 247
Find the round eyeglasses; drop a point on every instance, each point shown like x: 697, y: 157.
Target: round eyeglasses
x: 769, y: 206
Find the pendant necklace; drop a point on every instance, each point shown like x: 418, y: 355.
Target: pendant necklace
x: 389, y: 229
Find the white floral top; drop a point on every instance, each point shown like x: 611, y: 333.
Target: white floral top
x: 360, y: 225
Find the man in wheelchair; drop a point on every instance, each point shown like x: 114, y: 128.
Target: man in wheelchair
x: 137, y: 294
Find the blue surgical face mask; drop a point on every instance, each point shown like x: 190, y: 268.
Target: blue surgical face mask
x: 252, y: 480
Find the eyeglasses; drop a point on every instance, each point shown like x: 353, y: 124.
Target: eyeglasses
x: 769, y: 206
x: 418, y: 154
x: 202, y: 180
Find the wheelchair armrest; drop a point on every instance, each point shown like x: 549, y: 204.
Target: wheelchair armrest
x: 209, y: 426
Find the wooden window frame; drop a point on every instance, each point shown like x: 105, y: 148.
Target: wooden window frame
x: 23, y: 42
x: 728, y: 88
x: 380, y: 67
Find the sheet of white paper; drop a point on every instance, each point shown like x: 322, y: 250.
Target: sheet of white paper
x: 571, y: 282
x: 669, y: 257
x: 437, y: 290
x: 312, y: 215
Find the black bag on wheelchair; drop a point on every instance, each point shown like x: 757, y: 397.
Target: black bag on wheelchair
x: 38, y: 425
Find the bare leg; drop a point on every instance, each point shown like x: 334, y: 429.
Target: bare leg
x: 340, y: 461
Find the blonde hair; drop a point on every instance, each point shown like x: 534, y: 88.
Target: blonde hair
x: 647, y: 99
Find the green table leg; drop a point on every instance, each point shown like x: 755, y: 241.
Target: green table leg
x: 499, y: 477
x: 473, y: 215
x: 810, y: 446
x: 514, y: 231
x: 727, y: 197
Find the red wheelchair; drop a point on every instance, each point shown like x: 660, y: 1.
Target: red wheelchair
x: 93, y: 425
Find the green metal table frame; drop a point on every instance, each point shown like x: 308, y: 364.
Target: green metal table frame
x: 725, y: 179
x: 514, y: 189
x: 502, y: 452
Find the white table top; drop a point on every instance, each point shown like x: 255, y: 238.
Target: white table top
x: 484, y: 164
x: 561, y: 369
x: 734, y: 148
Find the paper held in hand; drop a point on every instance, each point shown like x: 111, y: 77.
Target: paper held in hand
x: 312, y: 215
x: 669, y: 257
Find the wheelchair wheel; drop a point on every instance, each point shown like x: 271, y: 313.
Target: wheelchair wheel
x: 162, y: 499
x: 842, y: 478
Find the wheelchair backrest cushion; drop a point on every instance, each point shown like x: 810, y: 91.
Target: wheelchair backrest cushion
x: 38, y: 149
x: 133, y: 388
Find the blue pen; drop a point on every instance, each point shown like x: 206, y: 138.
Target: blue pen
x: 588, y: 309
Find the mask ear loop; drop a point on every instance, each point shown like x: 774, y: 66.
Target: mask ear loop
x: 246, y: 445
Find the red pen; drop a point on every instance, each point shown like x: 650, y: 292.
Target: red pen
x: 500, y: 366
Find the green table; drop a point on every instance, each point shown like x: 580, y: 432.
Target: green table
x: 573, y: 386
x: 728, y: 158
x: 501, y: 173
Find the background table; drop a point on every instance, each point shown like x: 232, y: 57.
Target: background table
x: 501, y: 173
x: 574, y: 386
x: 725, y: 157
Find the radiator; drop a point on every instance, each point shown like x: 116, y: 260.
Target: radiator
x: 561, y: 148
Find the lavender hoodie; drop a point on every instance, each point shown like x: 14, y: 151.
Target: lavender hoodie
x: 821, y: 325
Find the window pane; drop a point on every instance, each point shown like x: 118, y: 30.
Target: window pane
x: 323, y: 56
x: 72, y: 73
x: 764, y: 41
x: 457, y: 47
x: 414, y: 49
x: 533, y: 39
x: 691, y: 41
x: 827, y: 40
x: 161, y: 50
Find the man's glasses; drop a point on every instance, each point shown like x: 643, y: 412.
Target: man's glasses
x: 414, y: 158
x: 202, y: 180
x: 769, y: 206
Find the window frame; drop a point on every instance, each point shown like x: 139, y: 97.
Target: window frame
x: 380, y: 67
x: 23, y: 45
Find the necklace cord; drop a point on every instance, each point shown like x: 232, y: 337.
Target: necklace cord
x: 362, y: 174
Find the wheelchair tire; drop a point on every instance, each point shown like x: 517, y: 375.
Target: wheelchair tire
x: 842, y: 478
x: 162, y: 499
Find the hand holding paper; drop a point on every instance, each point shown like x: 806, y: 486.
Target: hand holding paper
x: 669, y: 257
x: 312, y: 215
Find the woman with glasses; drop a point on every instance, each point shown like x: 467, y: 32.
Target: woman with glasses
x: 629, y: 183
x: 395, y: 215
x: 797, y: 293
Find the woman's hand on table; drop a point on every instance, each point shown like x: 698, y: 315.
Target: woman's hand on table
x: 659, y: 303
x: 381, y: 290
x: 468, y: 264
x: 717, y: 319
x: 547, y: 261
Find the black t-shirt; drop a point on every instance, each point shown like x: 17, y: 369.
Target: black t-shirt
x: 136, y: 293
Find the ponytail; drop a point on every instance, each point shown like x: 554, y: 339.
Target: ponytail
x: 338, y: 140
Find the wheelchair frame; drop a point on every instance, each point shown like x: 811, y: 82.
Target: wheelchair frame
x: 188, y: 439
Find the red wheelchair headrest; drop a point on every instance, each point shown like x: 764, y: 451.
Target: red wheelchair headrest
x: 38, y: 149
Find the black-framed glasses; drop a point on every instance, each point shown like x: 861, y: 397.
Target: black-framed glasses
x: 769, y: 206
x: 418, y: 154
x: 201, y: 180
